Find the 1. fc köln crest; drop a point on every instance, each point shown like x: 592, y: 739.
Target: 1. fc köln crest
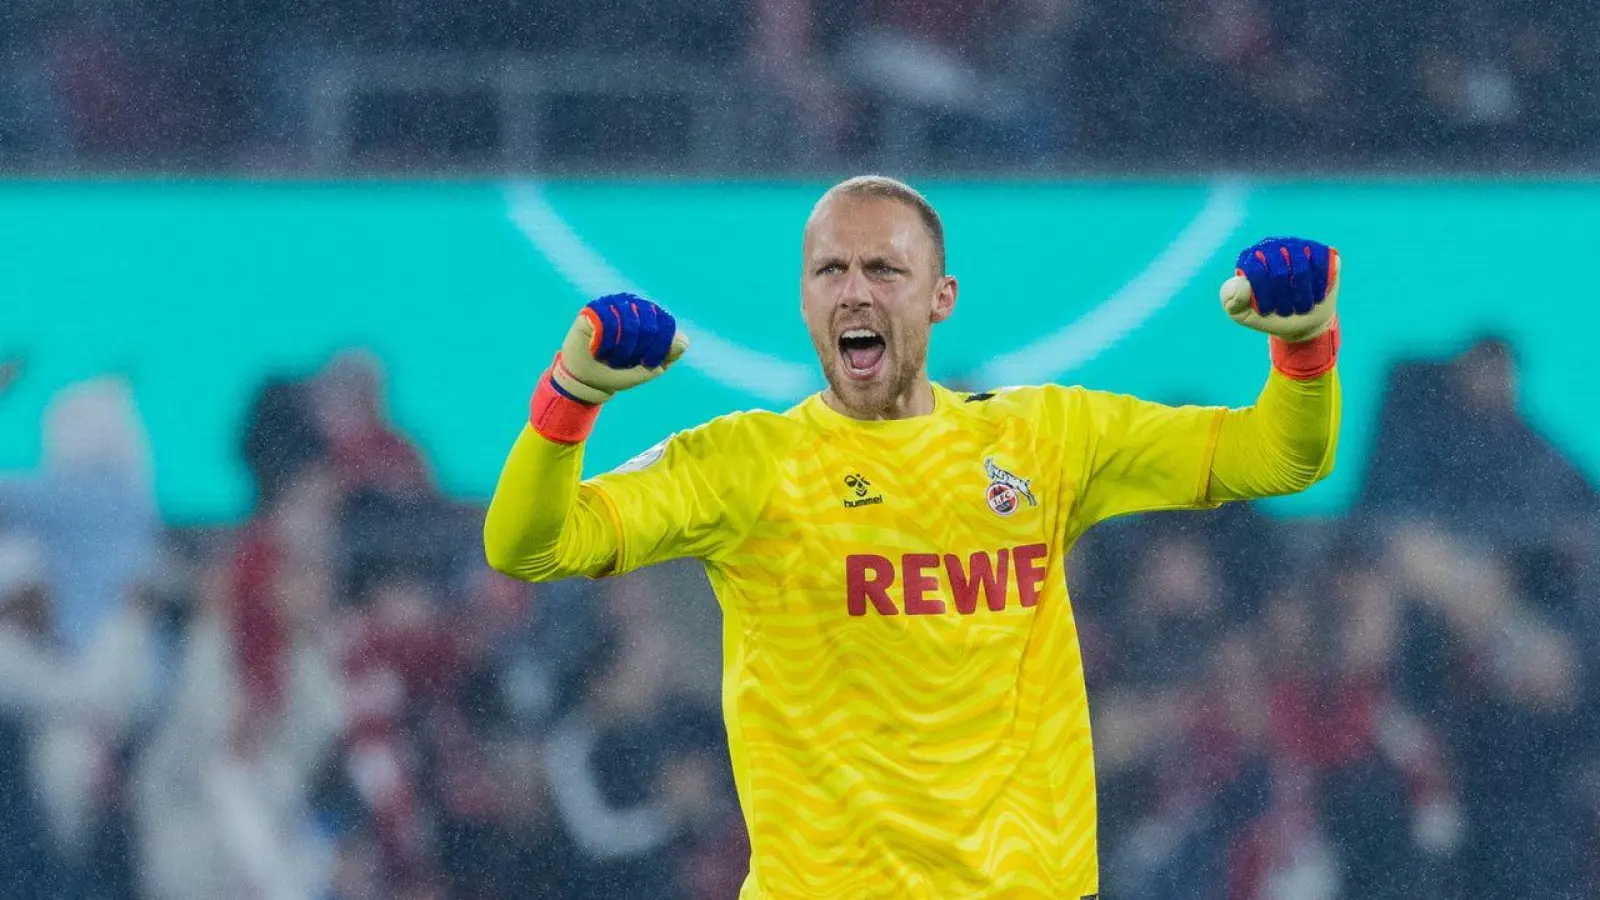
x: 1006, y: 491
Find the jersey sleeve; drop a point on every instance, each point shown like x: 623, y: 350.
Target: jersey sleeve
x: 1137, y: 456
x: 1284, y: 443
x: 541, y: 524
x: 697, y: 494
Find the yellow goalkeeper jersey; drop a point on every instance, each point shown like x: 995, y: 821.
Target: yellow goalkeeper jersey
x: 903, y: 689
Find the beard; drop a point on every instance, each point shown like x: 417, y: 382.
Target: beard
x: 885, y: 394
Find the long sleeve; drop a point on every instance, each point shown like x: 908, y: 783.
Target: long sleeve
x: 695, y: 495
x: 1139, y: 456
x: 1283, y: 444
x: 542, y: 524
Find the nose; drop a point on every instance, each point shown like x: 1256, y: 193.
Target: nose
x: 855, y: 292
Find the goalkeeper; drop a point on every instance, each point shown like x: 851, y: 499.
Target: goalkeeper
x: 902, y: 685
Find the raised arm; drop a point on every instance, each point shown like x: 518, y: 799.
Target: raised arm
x: 1144, y: 456
x: 1285, y: 443
x: 543, y: 523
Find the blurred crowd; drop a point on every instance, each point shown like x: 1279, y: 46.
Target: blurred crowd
x: 801, y: 85
x: 337, y: 700
x: 1402, y: 703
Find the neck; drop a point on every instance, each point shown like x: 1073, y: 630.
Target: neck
x: 915, y: 400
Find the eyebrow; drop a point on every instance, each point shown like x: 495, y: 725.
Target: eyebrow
x: 870, y: 262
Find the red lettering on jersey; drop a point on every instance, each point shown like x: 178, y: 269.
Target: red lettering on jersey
x: 983, y: 573
x: 867, y: 577
x: 918, y: 583
x: 1030, y: 562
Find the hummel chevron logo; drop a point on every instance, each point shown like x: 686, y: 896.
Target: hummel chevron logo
x: 861, y: 493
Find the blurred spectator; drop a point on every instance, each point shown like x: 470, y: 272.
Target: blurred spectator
x: 1179, y: 607
x: 32, y: 858
x: 91, y: 505
x: 62, y: 718
x: 1203, y: 777
x: 365, y: 449
x: 802, y: 113
x: 1504, y: 685
x: 1032, y: 47
x: 1376, y: 774
x: 222, y: 788
x: 640, y: 769
x: 964, y: 81
x: 402, y: 666
x: 541, y: 650
x: 1495, y: 474
x: 281, y: 436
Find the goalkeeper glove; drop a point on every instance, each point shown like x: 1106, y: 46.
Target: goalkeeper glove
x: 1289, y: 288
x: 617, y: 342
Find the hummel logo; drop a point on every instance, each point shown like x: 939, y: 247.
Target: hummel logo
x: 860, y: 488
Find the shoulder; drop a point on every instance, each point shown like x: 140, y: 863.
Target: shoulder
x: 1035, y: 402
x: 747, y: 428
x: 1058, y: 410
x: 748, y: 435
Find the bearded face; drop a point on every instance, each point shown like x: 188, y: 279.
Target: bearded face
x: 870, y: 294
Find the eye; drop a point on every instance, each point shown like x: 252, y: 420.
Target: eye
x: 832, y: 268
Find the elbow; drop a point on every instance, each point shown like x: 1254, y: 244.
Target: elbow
x: 512, y: 560
x: 509, y: 562
x: 499, y: 550
x: 1305, y: 477
x: 504, y: 555
x: 505, y: 540
x: 1327, y: 468
x: 499, y: 557
x: 1303, y: 481
x: 522, y: 568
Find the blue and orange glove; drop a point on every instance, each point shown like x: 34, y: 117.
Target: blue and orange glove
x: 617, y: 342
x: 1289, y: 288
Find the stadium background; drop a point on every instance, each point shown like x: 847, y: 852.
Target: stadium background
x: 277, y: 279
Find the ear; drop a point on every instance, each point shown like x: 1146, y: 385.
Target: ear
x: 944, y: 299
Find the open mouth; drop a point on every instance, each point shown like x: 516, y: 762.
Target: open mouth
x: 862, y: 350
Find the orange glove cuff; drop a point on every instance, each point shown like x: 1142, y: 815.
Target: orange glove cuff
x: 558, y: 416
x: 1304, y: 360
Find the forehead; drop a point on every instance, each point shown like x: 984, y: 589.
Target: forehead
x: 852, y: 226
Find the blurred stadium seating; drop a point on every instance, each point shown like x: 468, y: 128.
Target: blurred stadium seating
x: 248, y: 645
x: 765, y: 86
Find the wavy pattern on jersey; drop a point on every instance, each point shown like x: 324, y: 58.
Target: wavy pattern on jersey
x: 909, y: 756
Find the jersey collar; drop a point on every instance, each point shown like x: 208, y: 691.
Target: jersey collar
x: 829, y: 418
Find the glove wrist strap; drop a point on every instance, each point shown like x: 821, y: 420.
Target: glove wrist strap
x: 1304, y: 360
x: 558, y: 416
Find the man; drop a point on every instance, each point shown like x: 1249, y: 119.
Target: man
x: 902, y: 688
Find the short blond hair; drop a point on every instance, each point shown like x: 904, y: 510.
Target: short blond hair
x: 885, y: 188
